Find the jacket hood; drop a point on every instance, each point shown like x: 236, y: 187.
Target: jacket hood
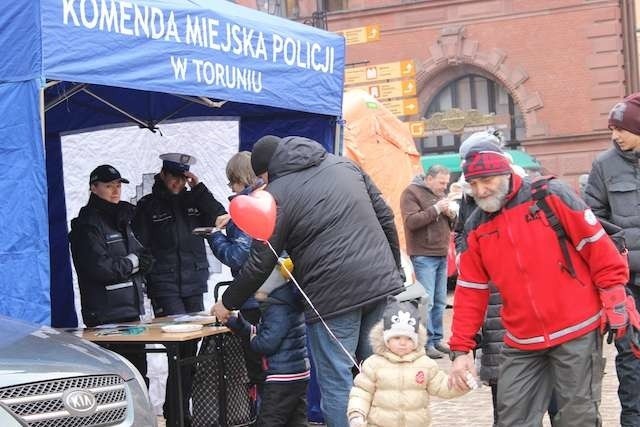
x: 285, y: 294
x: 515, y: 183
x: 630, y: 156
x: 419, y: 181
x: 379, y: 347
x: 293, y: 154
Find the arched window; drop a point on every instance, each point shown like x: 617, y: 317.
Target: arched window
x: 466, y: 105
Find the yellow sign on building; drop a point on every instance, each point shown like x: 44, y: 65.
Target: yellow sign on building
x: 397, y: 89
x: 370, y: 33
x: 417, y: 129
x: 402, y: 107
x: 372, y: 73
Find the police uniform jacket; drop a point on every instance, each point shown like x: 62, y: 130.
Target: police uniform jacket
x: 101, y: 238
x: 164, y: 223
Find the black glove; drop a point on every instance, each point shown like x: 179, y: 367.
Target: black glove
x: 145, y: 262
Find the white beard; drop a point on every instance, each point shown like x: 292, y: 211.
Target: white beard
x: 490, y: 204
x: 496, y: 201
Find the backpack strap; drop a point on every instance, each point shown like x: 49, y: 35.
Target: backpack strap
x: 539, y: 193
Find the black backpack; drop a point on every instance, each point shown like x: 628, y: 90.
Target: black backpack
x: 539, y: 193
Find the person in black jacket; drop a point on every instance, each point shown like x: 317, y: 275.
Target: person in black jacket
x: 340, y: 234
x: 164, y: 223
x: 613, y: 193
x: 109, y: 261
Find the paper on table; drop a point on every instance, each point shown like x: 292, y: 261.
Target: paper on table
x: 116, y: 326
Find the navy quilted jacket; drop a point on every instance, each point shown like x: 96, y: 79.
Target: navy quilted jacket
x: 281, y: 336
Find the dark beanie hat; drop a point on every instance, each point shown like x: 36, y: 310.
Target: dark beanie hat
x: 485, y: 159
x: 626, y: 114
x: 262, y: 153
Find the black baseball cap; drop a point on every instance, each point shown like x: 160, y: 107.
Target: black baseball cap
x: 106, y: 173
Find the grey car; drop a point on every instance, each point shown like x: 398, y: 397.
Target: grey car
x: 50, y: 378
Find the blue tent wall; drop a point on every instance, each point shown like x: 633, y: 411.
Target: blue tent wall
x: 63, y: 313
x: 24, y: 247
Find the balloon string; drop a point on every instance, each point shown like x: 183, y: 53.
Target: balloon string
x: 293, y: 279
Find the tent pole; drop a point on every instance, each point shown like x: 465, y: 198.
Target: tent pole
x: 337, y: 144
x: 120, y: 110
x: 42, y: 114
x: 51, y: 83
x: 66, y: 95
x: 202, y: 100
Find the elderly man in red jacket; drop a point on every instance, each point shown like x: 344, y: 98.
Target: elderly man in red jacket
x: 557, y: 293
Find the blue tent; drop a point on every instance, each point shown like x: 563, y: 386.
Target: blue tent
x: 82, y: 64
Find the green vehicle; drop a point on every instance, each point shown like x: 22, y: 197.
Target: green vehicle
x: 452, y: 162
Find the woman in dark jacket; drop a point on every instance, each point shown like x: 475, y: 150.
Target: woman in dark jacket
x: 109, y: 260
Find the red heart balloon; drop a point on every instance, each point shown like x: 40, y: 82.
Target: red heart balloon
x: 255, y: 214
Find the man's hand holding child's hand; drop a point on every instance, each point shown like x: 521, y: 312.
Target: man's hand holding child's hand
x: 462, y: 366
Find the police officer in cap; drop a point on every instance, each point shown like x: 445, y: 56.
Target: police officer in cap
x: 109, y: 260
x: 164, y: 223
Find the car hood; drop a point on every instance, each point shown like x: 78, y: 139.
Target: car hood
x: 32, y: 353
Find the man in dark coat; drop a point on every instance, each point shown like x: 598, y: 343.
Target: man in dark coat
x: 164, y: 223
x: 339, y: 232
x: 109, y: 260
x: 613, y: 193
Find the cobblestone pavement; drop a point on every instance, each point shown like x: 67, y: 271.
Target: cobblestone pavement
x: 475, y: 410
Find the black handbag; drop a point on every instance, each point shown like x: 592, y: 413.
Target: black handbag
x: 222, y: 394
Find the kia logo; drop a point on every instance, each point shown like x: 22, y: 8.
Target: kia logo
x: 79, y: 402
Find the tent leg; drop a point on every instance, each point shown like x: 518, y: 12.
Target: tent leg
x: 42, y: 124
x: 337, y: 144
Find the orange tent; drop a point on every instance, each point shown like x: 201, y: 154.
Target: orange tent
x: 382, y: 146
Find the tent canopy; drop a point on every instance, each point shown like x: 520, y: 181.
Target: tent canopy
x: 106, y: 62
x: 210, y: 48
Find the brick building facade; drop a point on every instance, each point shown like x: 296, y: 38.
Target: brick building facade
x: 553, y: 68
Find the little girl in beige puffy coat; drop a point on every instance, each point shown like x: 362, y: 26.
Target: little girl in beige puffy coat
x: 393, y: 387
